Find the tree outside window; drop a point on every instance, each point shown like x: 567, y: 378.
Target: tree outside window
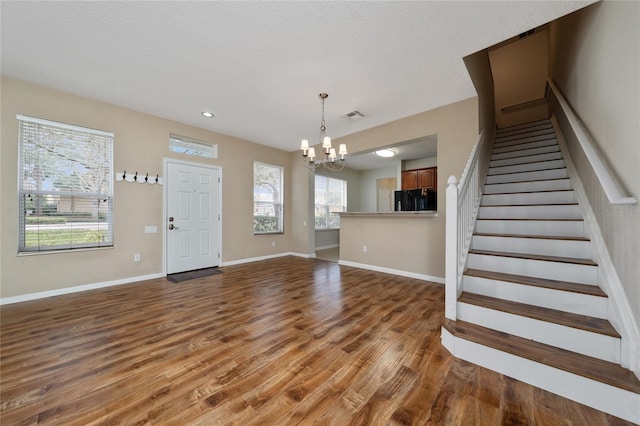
x: 330, y: 199
x: 65, y: 186
x: 267, y: 198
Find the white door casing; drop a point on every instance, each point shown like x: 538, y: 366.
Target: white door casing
x: 192, y: 218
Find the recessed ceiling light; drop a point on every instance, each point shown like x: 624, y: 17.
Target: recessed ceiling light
x: 386, y: 153
x: 207, y: 114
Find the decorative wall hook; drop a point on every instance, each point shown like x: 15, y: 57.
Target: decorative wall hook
x: 134, y: 177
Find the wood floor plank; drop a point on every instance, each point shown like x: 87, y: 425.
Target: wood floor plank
x: 284, y: 341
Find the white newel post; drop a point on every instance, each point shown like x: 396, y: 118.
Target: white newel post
x: 451, y: 250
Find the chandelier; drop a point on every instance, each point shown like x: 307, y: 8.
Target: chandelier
x: 327, y: 157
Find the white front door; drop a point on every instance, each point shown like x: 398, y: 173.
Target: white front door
x: 193, y: 217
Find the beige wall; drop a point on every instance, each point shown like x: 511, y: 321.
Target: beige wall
x: 141, y: 143
x: 479, y: 69
x: 412, y: 245
x: 519, y: 70
x: 594, y: 60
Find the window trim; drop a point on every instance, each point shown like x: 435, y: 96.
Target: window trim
x: 281, y: 205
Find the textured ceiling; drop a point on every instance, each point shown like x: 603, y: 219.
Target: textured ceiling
x: 259, y: 66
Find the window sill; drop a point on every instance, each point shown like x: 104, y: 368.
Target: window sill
x: 60, y: 251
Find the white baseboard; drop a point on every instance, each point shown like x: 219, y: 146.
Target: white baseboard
x: 306, y: 256
x: 424, y: 277
x: 269, y: 256
x: 76, y: 289
x: 330, y: 246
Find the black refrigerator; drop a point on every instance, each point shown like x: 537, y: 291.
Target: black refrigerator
x: 415, y: 200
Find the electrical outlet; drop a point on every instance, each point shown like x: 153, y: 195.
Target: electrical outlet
x: 273, y: 244
x: 365, y: 249
x: 136, y: 257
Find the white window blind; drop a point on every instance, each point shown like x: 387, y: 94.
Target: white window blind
x: 65, y: 191
x: 267, y: 198
x: 330, y: 198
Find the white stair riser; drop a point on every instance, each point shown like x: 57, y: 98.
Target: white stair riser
x: 541, y: 246
x: 521, y: 138
x: 573, y: 228
x: 535, y: 129
x: 543, y: 165
x: 544, y: 185
x: 571, y: 211
x: 577, y: 303
x: 572, y: 339
x: 525, y: 160
x: 529, y: 176
x: 550, y: 197
x: 572, y: 272
x: 541, y: 122
x: 519, y: 134
x: 525, y: 151
x: 592, y: 393
x: 522, y: 146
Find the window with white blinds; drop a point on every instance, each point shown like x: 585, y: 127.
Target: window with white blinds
x: 65, y: 186
x: 268, y: 204
x: 330, y: 199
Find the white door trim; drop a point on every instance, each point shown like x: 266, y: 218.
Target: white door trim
x: 165, y: 171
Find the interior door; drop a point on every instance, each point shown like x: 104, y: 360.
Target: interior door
x: 193, y: 217
x: 385, y: 188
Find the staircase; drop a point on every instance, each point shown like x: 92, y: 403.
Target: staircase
x: 530, y: 305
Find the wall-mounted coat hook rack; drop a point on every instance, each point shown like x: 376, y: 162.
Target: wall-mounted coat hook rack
x: 139, y: 178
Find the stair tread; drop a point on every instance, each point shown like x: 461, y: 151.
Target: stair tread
x: 567, y: 319
x: 528, y: 192
x: 528, y: 205
x: 525, y: 171
x: 521, y: 160
x: 523, y: 155
x: 525, y: 181
x: 552, y: 142
x: 539, y: 237
x: 538, y: 219
x: 587, y: 289
x: 521, y: 139
x: 544, y: 124
x: 574, y: 260
x: 582, y: 365
x: 540, y: 122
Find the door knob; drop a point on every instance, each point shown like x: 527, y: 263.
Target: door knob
x: 172, y: 227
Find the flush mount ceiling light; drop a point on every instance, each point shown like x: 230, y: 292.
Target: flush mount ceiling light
x: 329, y: 160
x: 386, y: 153
x: 207, y: 114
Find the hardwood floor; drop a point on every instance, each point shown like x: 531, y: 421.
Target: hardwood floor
x: 278, y: 342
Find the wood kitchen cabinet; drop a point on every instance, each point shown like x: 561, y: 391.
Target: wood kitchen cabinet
x: 420, y: 178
